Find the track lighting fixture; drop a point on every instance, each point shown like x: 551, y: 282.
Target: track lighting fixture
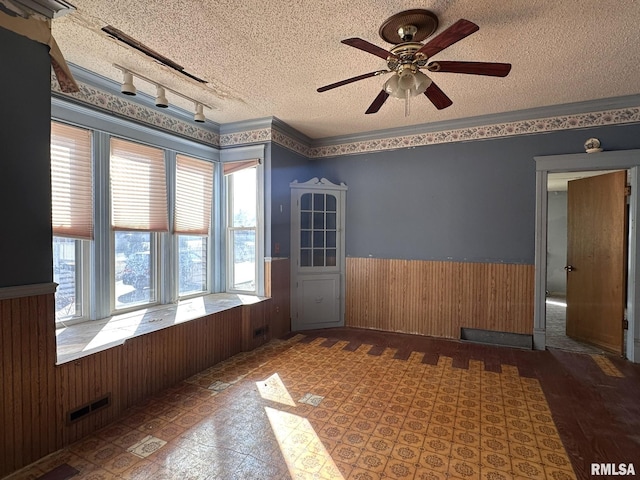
x: 161, y: 97
x: 199, y: 115
x: 128, y: 88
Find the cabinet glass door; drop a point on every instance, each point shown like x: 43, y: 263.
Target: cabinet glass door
x: 318, y: 230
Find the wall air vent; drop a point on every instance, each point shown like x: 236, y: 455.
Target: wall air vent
x: 133, y: 43
x: 48, y: 8
x: 81, y: 412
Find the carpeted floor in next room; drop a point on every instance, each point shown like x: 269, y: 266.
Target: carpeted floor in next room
x: 360, y: 404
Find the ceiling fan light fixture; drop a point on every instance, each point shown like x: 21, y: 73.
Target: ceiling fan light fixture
x: 407, y: 82
x: 422, y: 82
x: 391, y: 85
x: 128, y: 88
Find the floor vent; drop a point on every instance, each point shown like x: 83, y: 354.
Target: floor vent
x: 490, y: 337
x: 82, y: 412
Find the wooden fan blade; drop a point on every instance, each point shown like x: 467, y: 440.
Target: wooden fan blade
x: 351, y: 80
x: 368, y: 47
x: 378, y: 102
x: 456, y: 32
x: 472, y: 68
x: 437, y: 97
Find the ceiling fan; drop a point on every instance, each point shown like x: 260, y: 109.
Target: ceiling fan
x: 405, y: 30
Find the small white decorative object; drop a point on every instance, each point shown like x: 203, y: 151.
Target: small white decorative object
x: 592, y: 145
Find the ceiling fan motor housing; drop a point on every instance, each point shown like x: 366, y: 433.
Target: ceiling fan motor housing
x: 409, y: 26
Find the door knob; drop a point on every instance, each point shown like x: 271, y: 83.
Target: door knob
x: 569, y: 268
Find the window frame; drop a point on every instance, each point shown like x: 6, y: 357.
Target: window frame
x: 240, y: 154
x: 82, y: 273
x: 82, y: 246
x: 98, y: 276
x: 230, y: 231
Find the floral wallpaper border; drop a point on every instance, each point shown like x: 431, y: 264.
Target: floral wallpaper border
x: 523, y: 127
x: 122, y: 106
x: 153, y: 117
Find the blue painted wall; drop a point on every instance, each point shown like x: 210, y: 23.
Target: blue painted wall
x: 471, y: 201
x: 286, y: 166
x: 25, y: 184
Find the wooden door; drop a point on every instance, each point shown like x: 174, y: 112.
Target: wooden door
x: 596, y: 256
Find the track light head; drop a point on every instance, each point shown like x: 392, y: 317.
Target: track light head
x: 161, y: 97
x: 199, y: 115
x: 128, y: 88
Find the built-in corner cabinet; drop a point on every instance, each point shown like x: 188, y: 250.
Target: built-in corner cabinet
x: 317, y: 254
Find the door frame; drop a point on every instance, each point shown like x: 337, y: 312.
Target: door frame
x: 618, y: 160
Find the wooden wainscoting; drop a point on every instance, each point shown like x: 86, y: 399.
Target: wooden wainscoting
x: 36, y: 396
x: 277, y: 275
x: 81, y: 382
x: 27, y: 381
x: 438, y: 298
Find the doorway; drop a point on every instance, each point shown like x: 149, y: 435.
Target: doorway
x: 620, y: 160
x: 584, y: 209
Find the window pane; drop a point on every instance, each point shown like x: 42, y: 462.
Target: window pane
x: 318, y: 202
x: 192, y: 264
x: 244, y: 198
x: 318, y: 239
x: 331, y: 258
x: 135, y: 269
x: 305, y: 220
x: 305, y: 202
x: 331, y: 221
x: 244, y: 260
x: 305, y: 257
x: 65, y: 268
x: 331, y: 239
x: 305, y: 239
x: 318, y: 257
x: 331, y: 203
x: 318, y: 221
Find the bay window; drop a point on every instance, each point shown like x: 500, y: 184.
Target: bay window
x: 139, y: 216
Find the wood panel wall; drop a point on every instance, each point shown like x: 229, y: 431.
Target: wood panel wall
x: 27, y: 381
x: 278, y: 274
x: 36, y: 395
x: 438, y: 298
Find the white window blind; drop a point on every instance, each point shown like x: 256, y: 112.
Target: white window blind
x: 233, y: 167
x: 194, y: 188
x: 138, y: 187
x: 71, y: 182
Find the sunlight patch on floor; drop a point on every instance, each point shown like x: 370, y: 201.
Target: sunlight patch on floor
x: 301, y: 447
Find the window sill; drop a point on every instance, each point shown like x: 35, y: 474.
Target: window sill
x: 86, y: 338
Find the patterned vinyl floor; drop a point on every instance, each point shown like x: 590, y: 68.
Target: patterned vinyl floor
x: 312, y: 408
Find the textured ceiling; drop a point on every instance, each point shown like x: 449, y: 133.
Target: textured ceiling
x: 267, y: 58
